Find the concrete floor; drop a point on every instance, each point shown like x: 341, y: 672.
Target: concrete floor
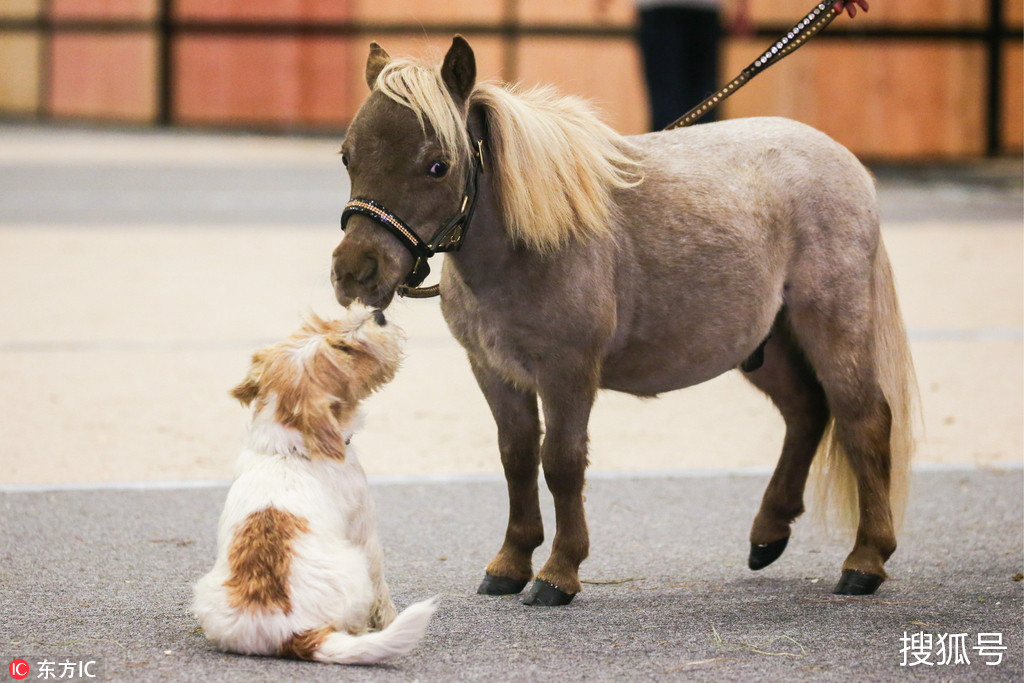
x: 140, y: 270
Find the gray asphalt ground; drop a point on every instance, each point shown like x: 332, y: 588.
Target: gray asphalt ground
x: 107, y: 574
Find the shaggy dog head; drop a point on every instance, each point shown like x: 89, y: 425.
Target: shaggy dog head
x: 313, y: 380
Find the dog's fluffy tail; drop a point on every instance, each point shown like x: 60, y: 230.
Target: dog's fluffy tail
x: 399, y: 638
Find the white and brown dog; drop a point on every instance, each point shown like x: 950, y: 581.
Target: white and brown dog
x: 299, y: 570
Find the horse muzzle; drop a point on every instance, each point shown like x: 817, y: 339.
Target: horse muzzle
x: 364, y: 272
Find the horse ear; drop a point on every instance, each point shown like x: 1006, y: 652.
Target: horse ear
x: 459, y: 69
x: 375, y: 63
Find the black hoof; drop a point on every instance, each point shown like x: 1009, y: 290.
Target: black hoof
x: 501, y: 585
x: 546, y: 594
x: 763, y: 554
x: 854, y: 582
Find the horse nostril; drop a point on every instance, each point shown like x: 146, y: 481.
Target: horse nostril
x: 367, y: 271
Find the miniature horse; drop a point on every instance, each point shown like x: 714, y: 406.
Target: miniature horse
x: 641, y: 264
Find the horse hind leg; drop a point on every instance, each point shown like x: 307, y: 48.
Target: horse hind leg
x: 792, y: 386
x: 864, y: 433
x: 842, y: 351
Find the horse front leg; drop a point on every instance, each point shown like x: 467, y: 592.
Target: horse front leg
x: 567, y: 406
x: 515, y: 413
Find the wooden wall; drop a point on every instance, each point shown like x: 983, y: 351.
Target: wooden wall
x: 913, y: 95
x: 20, y: 60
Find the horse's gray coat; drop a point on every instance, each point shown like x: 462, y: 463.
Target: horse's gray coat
x: 738, y: 230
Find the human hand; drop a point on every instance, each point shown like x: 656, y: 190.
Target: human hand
x: 850, y: 6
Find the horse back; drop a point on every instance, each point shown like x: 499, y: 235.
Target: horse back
x: 729, y: 216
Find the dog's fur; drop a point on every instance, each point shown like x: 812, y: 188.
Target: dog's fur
x: 299, y: 568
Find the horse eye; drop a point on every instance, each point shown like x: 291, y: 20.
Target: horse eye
x: 344, y: 160
x: 438, y: 169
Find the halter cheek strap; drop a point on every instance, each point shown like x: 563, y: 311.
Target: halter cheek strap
x: 448, y: 237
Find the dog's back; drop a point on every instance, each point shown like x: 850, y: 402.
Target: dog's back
x: 293, y: 573
x: 284, y: 562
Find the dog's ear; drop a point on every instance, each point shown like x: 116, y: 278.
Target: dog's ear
x: 249, y: 389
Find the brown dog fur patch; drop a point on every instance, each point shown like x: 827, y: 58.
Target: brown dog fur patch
x: 260, y: 560
x: 303, y: 645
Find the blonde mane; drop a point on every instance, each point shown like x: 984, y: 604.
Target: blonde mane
x: 555, y: 163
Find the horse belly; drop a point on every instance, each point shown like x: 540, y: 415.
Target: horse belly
x: 649, y: 372
x: 695, y: 335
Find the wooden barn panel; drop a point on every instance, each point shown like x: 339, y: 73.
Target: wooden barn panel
x: 264, y: 10
x: 321, y: 72
x: 606, y: 71
x: 783, y: 90
x: 20, y: 9
x: 19, y: 66
x: 435, y: 11
x: 264, y: 80
x: 909, y: 100
x: 104, y: 76
x: 935, y: 96
x: 1013, y: 100
x: 1013, y: 13
x: 578, y: 12
x: 487, y: 50
x: 103, y: 9
x: 903, y: 12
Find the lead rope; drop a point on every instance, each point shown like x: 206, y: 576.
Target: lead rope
x: 805, y: 29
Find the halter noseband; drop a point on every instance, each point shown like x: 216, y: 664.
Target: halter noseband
x: 447, y: 238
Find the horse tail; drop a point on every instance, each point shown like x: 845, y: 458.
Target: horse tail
x: 335, y: 647
x: 836, y: 485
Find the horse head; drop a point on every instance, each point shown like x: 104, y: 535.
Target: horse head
x: 408, y: 156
